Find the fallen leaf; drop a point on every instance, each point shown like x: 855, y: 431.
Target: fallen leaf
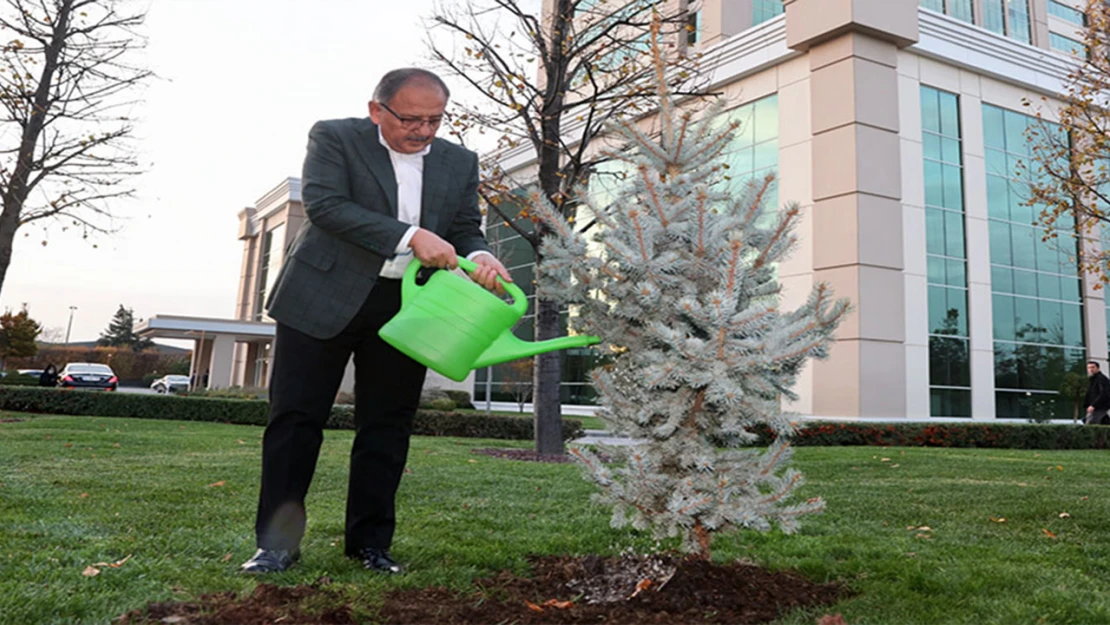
x: 533, y: 607
x: 925, y: 536
x: 225, y: 558
x: 216, y: 484
x: 924, y: 528
x: 1065, y: 515
x: 555, y: 603
x: 895, y: 465
x: 1048, y: 533
x: 241, y: 442
x: 1084, y: 498
x: 90, y: 571
x: 466, y: 506
x: 472, y: 461
x: 643, y: 585
x: 83, y: 495
x: 1000, y: 519
x: 911, y: 527
x: 408, y: 470
x: 1022, y: 484
x: 1059, y: 468
x: 832, y: 619
x: 69, y: 445
x: 114, y: 565
x: 884, y: 460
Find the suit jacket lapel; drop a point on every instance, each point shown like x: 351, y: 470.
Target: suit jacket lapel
x: 377, y: 160
x: 434, y: 187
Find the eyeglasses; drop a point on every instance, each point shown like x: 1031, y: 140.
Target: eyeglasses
x: 412, y: 123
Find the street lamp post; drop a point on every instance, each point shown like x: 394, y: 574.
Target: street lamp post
x: 70, y: 326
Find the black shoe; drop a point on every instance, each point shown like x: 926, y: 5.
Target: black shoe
x: 270, y: 561
x: 378, y: 560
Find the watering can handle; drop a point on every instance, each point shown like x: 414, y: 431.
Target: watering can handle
x: 409, y: 286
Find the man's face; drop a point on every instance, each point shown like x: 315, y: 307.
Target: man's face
x: 1091, y: 369
x: 410, y: 120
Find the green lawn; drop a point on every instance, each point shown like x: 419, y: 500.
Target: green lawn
x: 178, y: 498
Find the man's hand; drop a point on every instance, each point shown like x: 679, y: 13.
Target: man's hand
x: 489, y: 269
x: 432, y: 251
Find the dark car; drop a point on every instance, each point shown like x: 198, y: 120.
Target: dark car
x: 89, y: 375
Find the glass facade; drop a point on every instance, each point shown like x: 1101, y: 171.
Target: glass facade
x: 1036, y: 296
x: 949, y: 338
x: 752, y: 153
x: 1065, y: 12
x: 763, y: 10
x: 1067, y: 45
x: 959, y: 9
x: 1007, y: 17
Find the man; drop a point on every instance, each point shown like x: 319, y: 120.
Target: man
x: 1098, y: 396
x: 377, y: 192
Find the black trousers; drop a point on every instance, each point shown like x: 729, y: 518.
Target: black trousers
x: 306, y: 376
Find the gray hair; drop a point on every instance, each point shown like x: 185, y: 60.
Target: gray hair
x: 393, y: 80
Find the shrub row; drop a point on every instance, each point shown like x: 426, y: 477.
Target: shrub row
x: 18, y: 379
x: 251, y: 412
x: 983, y: 435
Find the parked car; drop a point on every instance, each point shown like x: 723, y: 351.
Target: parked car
x: 32, y: 372
x: 89, y: 375
x: 171, y: 384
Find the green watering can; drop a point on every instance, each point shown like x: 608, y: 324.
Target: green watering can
x: 452, y: 325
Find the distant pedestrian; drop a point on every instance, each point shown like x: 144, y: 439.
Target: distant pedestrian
x: 1098, y: 396
x: 49, y: 376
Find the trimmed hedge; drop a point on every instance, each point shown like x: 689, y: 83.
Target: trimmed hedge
x: 18, y: 379
x: 251, y: 412
x: 998, y: 435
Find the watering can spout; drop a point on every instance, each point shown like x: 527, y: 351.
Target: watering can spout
x: 508, y: 347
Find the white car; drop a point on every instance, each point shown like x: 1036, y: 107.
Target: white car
x: 170, y: 384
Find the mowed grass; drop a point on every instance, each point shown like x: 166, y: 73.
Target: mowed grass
x: 918, y: 534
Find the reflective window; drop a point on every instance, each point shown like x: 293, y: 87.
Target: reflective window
x: 763, y: 10
x: 1065, y: 12
x: 949, y: 349
x: 959, y: 9
x: 1067, y: 45
x: 1007, y: 17
x: 1036, y: 304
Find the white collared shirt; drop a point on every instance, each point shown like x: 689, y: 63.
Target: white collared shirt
x: 408, y: 169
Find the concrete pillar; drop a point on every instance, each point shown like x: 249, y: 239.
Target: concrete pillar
x: 852, y: 48
x: 219, y: 362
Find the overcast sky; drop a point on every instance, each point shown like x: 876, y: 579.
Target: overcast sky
x: 240, y: 83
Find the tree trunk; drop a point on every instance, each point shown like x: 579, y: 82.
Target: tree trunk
x: 9, y: 223
x: 546, y: 404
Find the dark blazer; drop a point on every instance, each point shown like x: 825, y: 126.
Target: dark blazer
x: 1098, y: 391
x: 350, y: 198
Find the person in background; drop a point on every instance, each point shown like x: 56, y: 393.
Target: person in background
x: 49, y: 376
x: 1098, y: 396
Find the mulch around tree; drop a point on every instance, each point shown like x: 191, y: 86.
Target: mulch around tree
x: 617, y: 590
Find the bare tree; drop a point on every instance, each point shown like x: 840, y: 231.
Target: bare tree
x: 550, y: 86
x: 1068, y: 172
x: 66, y: 91
x: 53, y: 334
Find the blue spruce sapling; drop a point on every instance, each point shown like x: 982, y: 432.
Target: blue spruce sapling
x: 678, y: 277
